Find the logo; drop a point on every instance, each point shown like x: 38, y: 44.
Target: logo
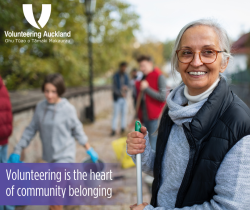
x: 44, y: 18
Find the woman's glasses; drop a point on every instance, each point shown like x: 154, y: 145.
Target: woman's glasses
x: 206, y: 56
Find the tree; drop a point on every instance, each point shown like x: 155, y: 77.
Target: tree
x: 167, y: 49
x: 154, y: 49
x: 24, y: 65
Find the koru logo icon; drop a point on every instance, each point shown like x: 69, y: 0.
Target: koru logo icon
x: 44, y: 18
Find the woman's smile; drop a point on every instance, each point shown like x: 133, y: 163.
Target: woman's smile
x: 197, y: 74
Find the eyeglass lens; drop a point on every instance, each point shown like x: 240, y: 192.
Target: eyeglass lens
x: 207, y: 56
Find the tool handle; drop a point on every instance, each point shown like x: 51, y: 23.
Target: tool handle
x: 138, y: 169
x: 137, y: 126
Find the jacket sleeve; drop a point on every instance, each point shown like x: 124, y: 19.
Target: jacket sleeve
x: 161, y: 94
x: 147, y: 158
x: 28, y: 134
x: 6, y: 115
x: 127, y: 82
x: 232, y: 182
x: 116, y: 90
x: 77, y: 129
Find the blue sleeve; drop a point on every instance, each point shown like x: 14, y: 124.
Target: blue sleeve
x: 115, y: 88
x: 127, y: 80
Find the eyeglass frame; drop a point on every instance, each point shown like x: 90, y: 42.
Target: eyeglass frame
x: 217, y: 51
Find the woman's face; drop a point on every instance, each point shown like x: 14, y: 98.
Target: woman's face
x: 50, y: 93
x: 199, y: 38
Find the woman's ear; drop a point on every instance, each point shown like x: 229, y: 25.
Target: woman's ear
x: 224, y: 65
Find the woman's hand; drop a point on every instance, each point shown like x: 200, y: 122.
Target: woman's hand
x: 135, y: 141
x: 139, y: 207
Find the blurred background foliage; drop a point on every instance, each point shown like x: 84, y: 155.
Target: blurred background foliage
x: 167, y: 49
x: 248, y: 46
x: 154, y: 49
x: 24, y: 65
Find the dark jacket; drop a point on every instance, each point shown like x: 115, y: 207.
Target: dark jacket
x: 219, y: 124
x: 5, y: 114
x: 117, y: 84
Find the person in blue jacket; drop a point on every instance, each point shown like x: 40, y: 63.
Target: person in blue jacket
x: 120, y: 83
x: 58, y: 125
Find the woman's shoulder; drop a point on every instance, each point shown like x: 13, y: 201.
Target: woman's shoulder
x: 238, y: 110
x: 67, y: 106
x: 238, y: 102
x: 41, y: 104
x: 237, y: 117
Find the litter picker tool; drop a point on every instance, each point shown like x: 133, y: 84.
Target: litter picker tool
x: 138, y: 169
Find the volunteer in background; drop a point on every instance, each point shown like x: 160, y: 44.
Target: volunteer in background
x: 120, y: 89
x: 56, y: 120
x: 153, y: 90
x: 5, y: 128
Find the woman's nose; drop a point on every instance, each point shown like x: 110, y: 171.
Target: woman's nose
x: 196, y: 60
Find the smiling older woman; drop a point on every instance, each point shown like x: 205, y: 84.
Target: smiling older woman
x: 202, y: 158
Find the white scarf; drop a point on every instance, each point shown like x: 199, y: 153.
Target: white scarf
x: 200, y: 97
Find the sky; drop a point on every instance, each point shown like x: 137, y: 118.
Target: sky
x: 162, y: 20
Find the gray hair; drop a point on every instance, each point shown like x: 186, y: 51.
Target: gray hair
x: 221, y: 32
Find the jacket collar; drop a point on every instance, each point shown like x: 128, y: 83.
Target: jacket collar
x: 216, y: 104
